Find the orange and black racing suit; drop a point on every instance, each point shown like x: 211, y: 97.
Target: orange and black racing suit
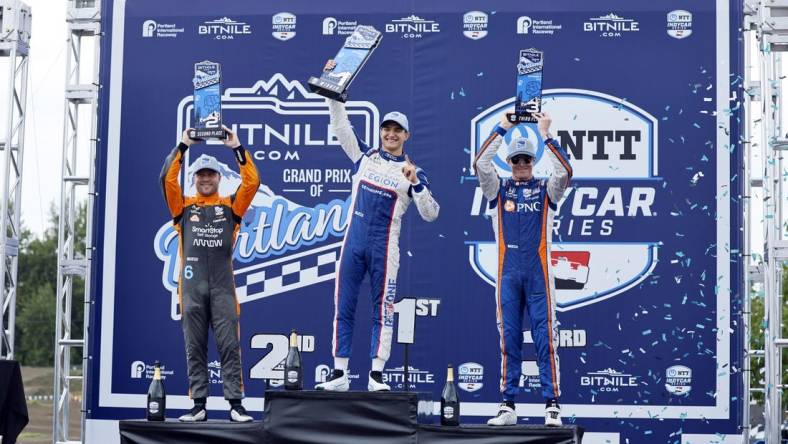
x: 207, y: 227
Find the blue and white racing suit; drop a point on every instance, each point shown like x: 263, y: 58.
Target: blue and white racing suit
x: 381, y: 195
x: 522, y: 215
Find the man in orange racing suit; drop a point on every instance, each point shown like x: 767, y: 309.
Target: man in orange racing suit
x: 207, y: 225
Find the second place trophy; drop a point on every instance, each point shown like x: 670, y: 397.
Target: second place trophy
x: 207, y: 118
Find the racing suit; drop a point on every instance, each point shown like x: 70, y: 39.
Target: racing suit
x: 207, y: 227
x: 522, y: 216
x: 379, y: 199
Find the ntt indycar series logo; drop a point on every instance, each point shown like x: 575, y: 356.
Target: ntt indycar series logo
x: 283, y: 26
x: 291, y: 235
x: 679, y: 24
x: 470, y: 376
x: 600, y: 242
x: 678, y: 380
x: 474, y: 25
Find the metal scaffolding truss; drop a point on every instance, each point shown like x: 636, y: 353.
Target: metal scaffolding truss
x: 14, y: 39
x: 766, y: 24
x: 77, y: 179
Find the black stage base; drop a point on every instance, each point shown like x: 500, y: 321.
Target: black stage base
x: 341, y: 418
x: 307, y: 417
x: 483, y: 434
x: 171, y: 431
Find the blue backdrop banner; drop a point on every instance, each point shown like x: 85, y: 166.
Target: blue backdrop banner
x: 644, y: 97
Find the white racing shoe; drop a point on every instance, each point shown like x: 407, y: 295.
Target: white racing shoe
x: 376, y: 383
x: 552, y: 413
x: 338, y: 382
x: 238, y: 414
x: 506, y: 417
x: 196, y: 414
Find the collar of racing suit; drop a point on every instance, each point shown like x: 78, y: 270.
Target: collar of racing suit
x: 211, y: 199
x: 388, y: 156
x: 522, y: 182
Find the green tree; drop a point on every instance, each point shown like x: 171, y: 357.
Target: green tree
x: 36, y: 296
x: 757, y: 327
x: 36, y: 327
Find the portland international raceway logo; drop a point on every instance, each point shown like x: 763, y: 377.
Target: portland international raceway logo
x: 291, y: 234
x: 600, y: 248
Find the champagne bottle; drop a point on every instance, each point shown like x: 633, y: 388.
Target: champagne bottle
x: 293, y: 370
x: 157, y: 399
x: 450, y: 403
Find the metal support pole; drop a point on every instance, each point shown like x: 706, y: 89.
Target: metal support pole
x: 15, y: 17
x: 746, y: 250
x: 84, y: 20
x: 774, y: 251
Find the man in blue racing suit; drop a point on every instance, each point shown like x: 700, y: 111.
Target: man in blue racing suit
x: 385, y: 181
x: 522, y: 210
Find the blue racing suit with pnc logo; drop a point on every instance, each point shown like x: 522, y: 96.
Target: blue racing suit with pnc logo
x: 380, y: 196
x: 522, y: 215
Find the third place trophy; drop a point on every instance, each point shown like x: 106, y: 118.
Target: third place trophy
x: 529, y: 86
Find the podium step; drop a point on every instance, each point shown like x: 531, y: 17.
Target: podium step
x: 312, y: 417
x: 317, y: 417
x: 173, y: 432
x: 484, y: 434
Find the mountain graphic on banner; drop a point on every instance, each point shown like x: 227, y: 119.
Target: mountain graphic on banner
x: 277, y: 86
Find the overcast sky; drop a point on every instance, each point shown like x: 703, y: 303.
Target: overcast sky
x: 44, y: 126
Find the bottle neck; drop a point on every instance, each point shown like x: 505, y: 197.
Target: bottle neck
x: 293, y: 340
x: 450, y: 375
x: 157, y: 374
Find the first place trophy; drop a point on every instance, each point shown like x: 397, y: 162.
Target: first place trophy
x: 349, y: 60
x: 207, y: 101
x: 529, y: 86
